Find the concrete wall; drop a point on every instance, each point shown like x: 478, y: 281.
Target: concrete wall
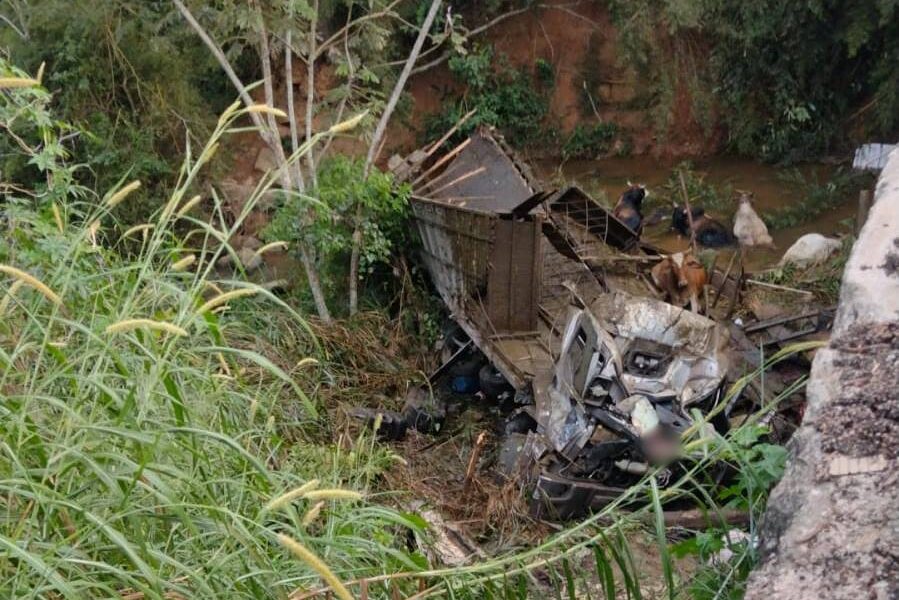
x: 832, y: 525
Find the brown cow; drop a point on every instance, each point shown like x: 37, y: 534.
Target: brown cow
x: 681, y: 277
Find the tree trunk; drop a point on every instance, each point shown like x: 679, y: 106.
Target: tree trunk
x: 375, y: 146
x: 269, y: 135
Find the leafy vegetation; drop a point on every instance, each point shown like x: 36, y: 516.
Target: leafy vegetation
x: 817, y: 197
x: 590, y: 141
x: 128, y: 79
x: 776, y: 71
x: 714, y: 198
x: 341, y: 189
x: 515, y: 101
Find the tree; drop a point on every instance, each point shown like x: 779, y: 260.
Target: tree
x: 297, y: 27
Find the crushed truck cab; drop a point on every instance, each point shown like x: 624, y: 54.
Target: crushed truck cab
x: 628, y: 373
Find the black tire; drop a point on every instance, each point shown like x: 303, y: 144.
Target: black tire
x: 492, y: 382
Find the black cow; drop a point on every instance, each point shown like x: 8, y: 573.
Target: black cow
x: 629, y: 205
x: 709, y: 232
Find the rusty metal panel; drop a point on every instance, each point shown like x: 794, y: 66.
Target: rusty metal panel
x: 514, y: 278
x: 483, y: 177
x: 456, y: 246
x: 499, y: 286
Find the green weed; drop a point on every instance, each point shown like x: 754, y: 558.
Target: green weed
x: 590, y: 141
x: 816, y: 197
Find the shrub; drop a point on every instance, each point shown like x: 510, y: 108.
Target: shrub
x: 776, y: 71
x: 515, y: 101
x: 590, y: 141
x: 325, y: 219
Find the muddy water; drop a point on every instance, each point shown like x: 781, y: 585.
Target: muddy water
x: 609, y: 177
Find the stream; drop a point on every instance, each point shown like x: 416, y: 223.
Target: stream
x: 609, y: 177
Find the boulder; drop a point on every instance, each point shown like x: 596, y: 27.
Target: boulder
x: 265, y: 160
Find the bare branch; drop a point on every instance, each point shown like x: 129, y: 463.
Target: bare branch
x: 219, y: 55
x: 291, y: 110
x: 477, y: 30
x: 349, y: 88
x: 400, y: 84
x: 270, y: 135
x: 310, y: 89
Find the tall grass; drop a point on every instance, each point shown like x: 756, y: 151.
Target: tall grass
x: 138, y: 444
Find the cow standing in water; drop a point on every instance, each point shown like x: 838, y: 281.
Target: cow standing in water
x: 709, y: 232
x: 629, y: 205
x: 749, y: 229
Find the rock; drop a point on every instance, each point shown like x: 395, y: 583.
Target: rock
x: 250, y: 260
x: 810, y: 249
x: 246, y: 253
x: 251, y: 242
x: 236, y: 193
x: 394, y: 162
x: 265, y: 160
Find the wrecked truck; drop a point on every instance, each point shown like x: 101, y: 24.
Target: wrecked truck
x: 628, y: 373
x: 552, y: 290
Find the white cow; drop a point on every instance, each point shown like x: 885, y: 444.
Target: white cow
x: 749, y: 229
x: 810, y: 249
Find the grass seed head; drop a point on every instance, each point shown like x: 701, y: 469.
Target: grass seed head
x: 17, y: 82
x: 227, y: 297
x: 333, y: 494
x: 292, y: 495
x: 189, y: 205
x: 132, y: 324
x: 57, y: 217
x: 184, y: 262
x: 312, y: 514
x: 348, y: 125
x: 317, y: 565
x: 120, y: 195
x: 268, y: 110
x: 137, y: 229
x: 32, y: 282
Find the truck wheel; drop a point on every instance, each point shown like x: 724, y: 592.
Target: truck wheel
x: 493, y: 384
